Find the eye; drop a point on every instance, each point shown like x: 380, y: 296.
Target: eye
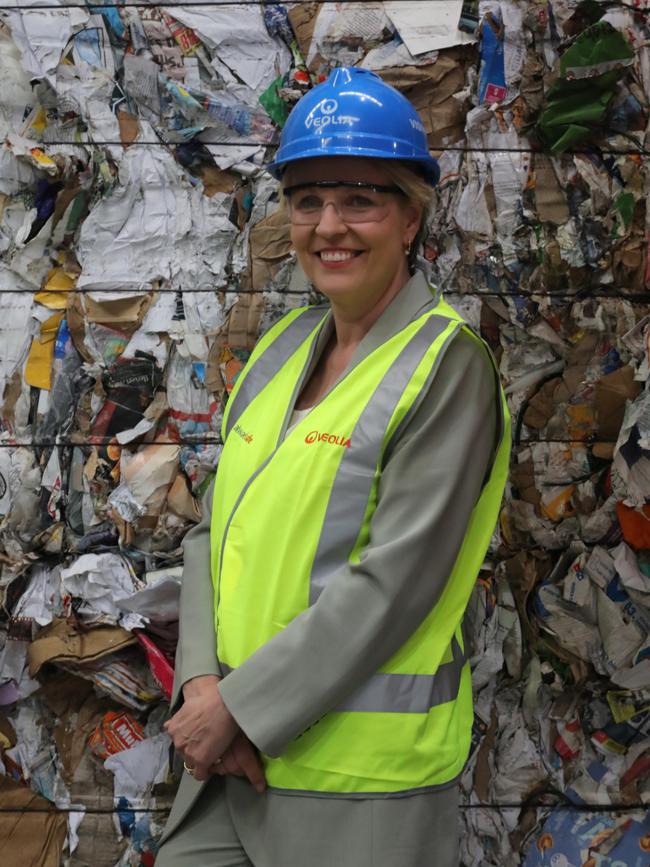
x: 359, y: 200
x: 307, y: 202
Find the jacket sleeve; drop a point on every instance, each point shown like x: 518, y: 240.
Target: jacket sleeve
x: 196, y: 652
x: 427, y: 491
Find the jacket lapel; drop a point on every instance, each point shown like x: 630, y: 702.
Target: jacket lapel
x: 406, y: 306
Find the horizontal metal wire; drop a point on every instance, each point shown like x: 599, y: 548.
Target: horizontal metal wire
x: 198, y: 3
x: 641, y: 297
x: 596, y: 149
x: 70, y: 444
x: 104, y: 441
x: 94, y: 810
x: 516, y: 805
x: 125, y: 291
x: 140, y: 4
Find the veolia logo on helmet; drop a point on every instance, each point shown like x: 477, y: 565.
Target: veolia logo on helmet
x: 323, y: 115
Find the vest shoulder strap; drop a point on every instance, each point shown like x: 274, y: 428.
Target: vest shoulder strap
x: 270, y: 353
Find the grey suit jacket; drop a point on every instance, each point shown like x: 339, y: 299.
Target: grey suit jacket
x: 428, y: 489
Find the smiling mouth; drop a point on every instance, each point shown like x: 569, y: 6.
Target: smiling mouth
x: 338, y: 255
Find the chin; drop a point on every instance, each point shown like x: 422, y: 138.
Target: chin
x: 336, y: 288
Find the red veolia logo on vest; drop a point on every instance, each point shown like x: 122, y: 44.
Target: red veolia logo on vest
x: 330, y: 439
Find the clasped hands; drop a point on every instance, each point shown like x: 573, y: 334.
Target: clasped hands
x: 208, y: 738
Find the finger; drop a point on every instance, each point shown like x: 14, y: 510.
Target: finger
x: 229, y: 764
x: 225, y: 765
x: 219, y: 768
x: 250, y: 763
x: 201, y: 757
x: 180, y: 742
x: 201, y: 773
x: 173, y: 726
x: 224, y: 768
x: 177, y: 717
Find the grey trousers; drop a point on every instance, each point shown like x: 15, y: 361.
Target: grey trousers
x: 230, y: 825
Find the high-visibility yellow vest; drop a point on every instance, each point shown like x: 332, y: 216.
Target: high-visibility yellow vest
x: 289, y: 511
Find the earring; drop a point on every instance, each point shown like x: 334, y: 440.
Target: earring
x: 407, y: 248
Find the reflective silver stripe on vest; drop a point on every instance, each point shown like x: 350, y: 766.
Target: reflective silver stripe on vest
x: 403, y: 693
x: 271, y: 360
x: 408, y: 693
x: 354, y: 478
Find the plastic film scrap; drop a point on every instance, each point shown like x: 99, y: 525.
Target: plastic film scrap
x: 142, y: 252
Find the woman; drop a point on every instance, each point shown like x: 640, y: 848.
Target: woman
x: 365, y: 454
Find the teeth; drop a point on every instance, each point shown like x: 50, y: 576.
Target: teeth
x: 336, y: 256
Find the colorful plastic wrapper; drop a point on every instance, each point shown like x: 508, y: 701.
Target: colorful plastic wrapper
x: 588, y: 838
x: 117, y: 731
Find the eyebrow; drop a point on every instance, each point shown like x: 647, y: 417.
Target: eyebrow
x: 355, y: 185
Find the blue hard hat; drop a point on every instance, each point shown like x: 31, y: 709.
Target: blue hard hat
x: 355, y: 114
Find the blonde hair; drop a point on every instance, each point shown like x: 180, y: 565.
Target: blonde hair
x: 403, y: 175
x: 418, y: 192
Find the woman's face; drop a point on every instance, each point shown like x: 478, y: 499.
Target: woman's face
x: 360, y: 261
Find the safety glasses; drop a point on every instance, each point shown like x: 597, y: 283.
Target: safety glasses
x: 354, y: 202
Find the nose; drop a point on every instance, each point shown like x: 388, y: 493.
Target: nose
x: 330, y: 222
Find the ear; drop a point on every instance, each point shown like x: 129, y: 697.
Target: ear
x: 412, y: 219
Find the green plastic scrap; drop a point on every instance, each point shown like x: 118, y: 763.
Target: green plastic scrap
x: 623, y: 205
x: 577, y: 103
x: 273, y: 103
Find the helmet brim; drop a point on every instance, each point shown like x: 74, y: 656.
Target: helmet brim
x: 429, y: 170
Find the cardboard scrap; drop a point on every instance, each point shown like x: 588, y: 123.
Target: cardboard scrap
x: 99, y: 845
x: 269, y: 246
x: 181, y: 502
x: 303, y: 21
x: 65, y: 642
x: 32, y: 831
x: 432, y: 89
x: 612, y: 393
x: 123, y: 313
x: 129, y: 127
x: 550, y: 200
x: 78, y: 709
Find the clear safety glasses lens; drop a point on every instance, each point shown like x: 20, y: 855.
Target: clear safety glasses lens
x: 354, y: 202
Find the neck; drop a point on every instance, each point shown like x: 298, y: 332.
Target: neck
x: 354, y: 316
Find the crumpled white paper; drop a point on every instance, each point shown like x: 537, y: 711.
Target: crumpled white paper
x: 98, y: 579
x: 139, y: 768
